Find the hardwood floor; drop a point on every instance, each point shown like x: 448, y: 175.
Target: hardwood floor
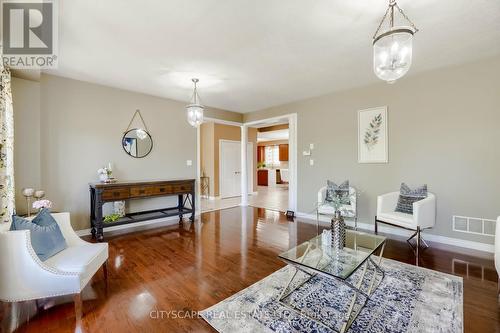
x: 189, y: 268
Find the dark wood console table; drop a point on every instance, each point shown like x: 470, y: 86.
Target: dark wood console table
x: 101, y: 193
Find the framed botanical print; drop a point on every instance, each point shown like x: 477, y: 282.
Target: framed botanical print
x: 372, y: 136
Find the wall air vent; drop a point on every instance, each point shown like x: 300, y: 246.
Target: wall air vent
x: 474, y: 225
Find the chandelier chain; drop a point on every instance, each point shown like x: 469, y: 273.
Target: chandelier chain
x: 406, y: 17
x: 390, y: 9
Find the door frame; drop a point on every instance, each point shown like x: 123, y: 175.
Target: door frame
x: 250, y: 185
x: 292, y: 150
x: 291, y: 118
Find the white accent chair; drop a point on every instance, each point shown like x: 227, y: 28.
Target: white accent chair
x: 348, y: 211
x: 25, y: 277
x: 497, y: 251
x: 424, y: 215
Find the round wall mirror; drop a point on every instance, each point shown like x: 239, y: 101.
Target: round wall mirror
x: 137, y: 143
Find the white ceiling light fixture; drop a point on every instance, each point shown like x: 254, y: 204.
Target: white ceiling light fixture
x: 195, y: 109
x: 392, y: 48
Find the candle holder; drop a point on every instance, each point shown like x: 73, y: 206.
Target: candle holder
x: 28, y: 194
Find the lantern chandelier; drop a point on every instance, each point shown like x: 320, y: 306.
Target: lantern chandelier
x: 195, y: 109
x: 392, y: 48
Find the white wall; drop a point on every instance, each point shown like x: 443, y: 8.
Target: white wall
x: 81, y: 125
x: 443, y: 131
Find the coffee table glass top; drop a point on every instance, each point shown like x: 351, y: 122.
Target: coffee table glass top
x: 318, y: 255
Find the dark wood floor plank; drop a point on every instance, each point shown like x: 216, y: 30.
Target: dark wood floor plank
x: 193, y: 267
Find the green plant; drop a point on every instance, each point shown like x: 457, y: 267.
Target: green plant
x: 111, y: 218
x: 373, y: 131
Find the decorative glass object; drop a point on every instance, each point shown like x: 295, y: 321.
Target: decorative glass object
x: 393, y: 48
x: 28, y: 194
x: 119, y: 208
x: 39, y: 194
x: 338, y: 231
x: 195, y: 109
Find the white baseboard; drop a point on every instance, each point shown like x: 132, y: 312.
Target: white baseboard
x: 311, y: 218
x: 173, y: 219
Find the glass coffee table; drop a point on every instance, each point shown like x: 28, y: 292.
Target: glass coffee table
x: 317, y: 257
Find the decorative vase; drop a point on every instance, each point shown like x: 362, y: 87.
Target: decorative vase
x: 338, y: 231
x: 103, y: 177
x: 119, y: 208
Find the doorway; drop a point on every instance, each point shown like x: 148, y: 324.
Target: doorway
x: 209, y: 185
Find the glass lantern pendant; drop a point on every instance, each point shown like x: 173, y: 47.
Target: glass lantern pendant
x: 392, y: 48
x: 195, y: 109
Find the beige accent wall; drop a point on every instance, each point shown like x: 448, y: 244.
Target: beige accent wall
x: 443, y: 131
x: 273, y: 128
x: 207, y: 148
x: 210, y: 150
x: 27, y: 143
x: 81, y: 125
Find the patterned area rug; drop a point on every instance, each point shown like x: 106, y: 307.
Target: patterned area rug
x: 409, y: 299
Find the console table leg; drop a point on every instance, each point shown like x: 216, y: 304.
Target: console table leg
x: 98, y: 216
x: 181, y: 206
x: 193, y: 197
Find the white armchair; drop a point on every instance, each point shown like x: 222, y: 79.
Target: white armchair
x: 424, y: 214
x: 497, y: 250
x: 349, y: 211
x: 25, y: 277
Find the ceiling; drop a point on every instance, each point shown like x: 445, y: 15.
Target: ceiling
x: 273, y: 135
x: 253, y: 54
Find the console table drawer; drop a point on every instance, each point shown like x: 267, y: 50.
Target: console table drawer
x: 183, y: 188
x: 115, y: 194
x: 164, y: 189
x: 142, y: 191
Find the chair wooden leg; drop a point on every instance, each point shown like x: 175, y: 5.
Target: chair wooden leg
x: 105, y: 271
x: 376, y: 226
x: 498, y: 287
x: 5, y: 324
x: 77, y: 298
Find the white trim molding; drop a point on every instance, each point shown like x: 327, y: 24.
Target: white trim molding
x: 490, y: 248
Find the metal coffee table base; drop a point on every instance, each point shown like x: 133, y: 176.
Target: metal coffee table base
x: 350, y: 316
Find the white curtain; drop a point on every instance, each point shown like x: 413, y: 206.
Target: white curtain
x: 6, y: 147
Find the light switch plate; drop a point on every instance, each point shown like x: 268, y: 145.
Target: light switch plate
x: 189, y: 163
x: 311, y: 162
x: 311, y: 146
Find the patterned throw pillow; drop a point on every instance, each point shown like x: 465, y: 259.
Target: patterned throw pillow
x: 408, y: 196
x: 333, y: 190
x: 46, y: 236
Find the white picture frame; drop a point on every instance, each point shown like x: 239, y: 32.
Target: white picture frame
x: 373, y: 143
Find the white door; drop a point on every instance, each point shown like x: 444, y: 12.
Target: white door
x: 230, y: 168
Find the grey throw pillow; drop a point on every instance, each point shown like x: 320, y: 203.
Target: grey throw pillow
x: 333, y: 190
x: 408, y: 196
x: 46, y: 237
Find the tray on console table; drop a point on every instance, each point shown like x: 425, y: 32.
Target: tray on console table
x: 101, y: 193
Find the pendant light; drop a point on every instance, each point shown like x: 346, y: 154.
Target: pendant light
x: 392, y: 48
x: 195, y: 109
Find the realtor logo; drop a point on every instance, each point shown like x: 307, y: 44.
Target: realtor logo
x: 29, y: 34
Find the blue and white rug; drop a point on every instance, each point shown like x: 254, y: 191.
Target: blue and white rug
x: 409, y: 299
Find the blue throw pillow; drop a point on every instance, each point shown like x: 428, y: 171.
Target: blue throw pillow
x: 44, y: 218
x: 46, y: 237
